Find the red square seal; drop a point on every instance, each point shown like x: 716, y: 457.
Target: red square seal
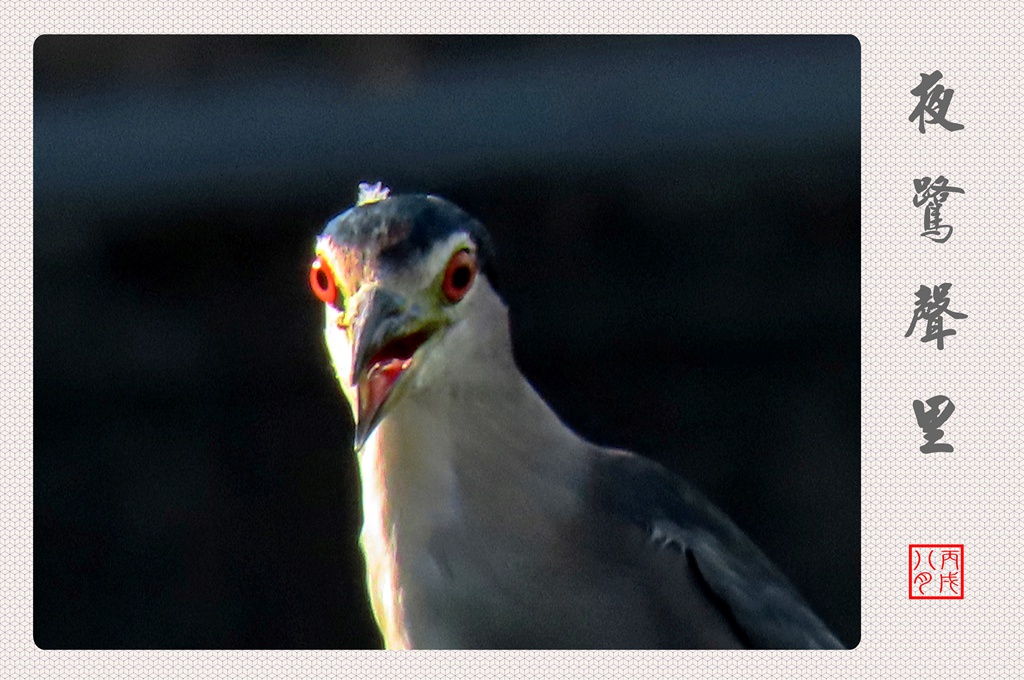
x: 937, y: 572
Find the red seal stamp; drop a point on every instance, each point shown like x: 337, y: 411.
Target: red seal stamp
x: 937, y: 572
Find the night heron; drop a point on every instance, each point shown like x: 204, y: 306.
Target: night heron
x: 488, y: 523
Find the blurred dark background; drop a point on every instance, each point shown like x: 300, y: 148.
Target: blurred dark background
x: 677, y: 221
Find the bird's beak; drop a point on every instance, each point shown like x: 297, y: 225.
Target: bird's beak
x: 388, y: 331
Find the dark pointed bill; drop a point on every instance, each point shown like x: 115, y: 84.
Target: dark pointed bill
x: 386, y: 339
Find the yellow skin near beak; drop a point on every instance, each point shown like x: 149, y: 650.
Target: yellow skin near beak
x: 381, y: 325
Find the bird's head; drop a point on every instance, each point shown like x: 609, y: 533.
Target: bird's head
x: 399, y: 275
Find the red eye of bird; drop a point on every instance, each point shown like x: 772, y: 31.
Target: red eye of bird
x: 321, y: 280
x: 459, y: 275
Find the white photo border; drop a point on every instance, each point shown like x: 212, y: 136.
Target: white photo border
x: 971, y: 497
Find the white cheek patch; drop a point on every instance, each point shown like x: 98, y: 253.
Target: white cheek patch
x: 437, y: 260
x: 340, y: 348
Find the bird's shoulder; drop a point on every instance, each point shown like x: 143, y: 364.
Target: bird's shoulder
x: 764, y: 609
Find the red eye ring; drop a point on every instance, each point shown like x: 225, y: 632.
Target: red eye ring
x: 321, y: 280
x: 459, y: 275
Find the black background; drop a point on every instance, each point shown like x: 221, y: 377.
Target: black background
x: 677, y: 222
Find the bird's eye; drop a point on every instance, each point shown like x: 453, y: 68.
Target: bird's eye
x: 321, y: 280
x: 459, y: 275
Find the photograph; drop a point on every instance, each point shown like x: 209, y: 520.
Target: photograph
x: 446, y: 342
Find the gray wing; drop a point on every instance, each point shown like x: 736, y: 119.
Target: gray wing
x: 751, y: 594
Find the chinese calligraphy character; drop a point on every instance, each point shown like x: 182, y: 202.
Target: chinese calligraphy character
x: 940, y: 408
x: 934, y: 193
x: 952, y: 579
x: 937, y: 572
x: 951, y: 555
x: 932, y: 303
x: 934, y: 100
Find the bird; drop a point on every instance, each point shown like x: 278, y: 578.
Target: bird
x: 488, y: 523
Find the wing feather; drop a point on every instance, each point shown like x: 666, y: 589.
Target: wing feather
x: 763, y: 608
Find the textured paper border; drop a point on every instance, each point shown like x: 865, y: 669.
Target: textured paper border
x: 972, y: 496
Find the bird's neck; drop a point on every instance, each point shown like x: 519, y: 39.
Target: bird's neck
x: 470, y: 472
x: 473, y: 422
x: 474, y: 439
